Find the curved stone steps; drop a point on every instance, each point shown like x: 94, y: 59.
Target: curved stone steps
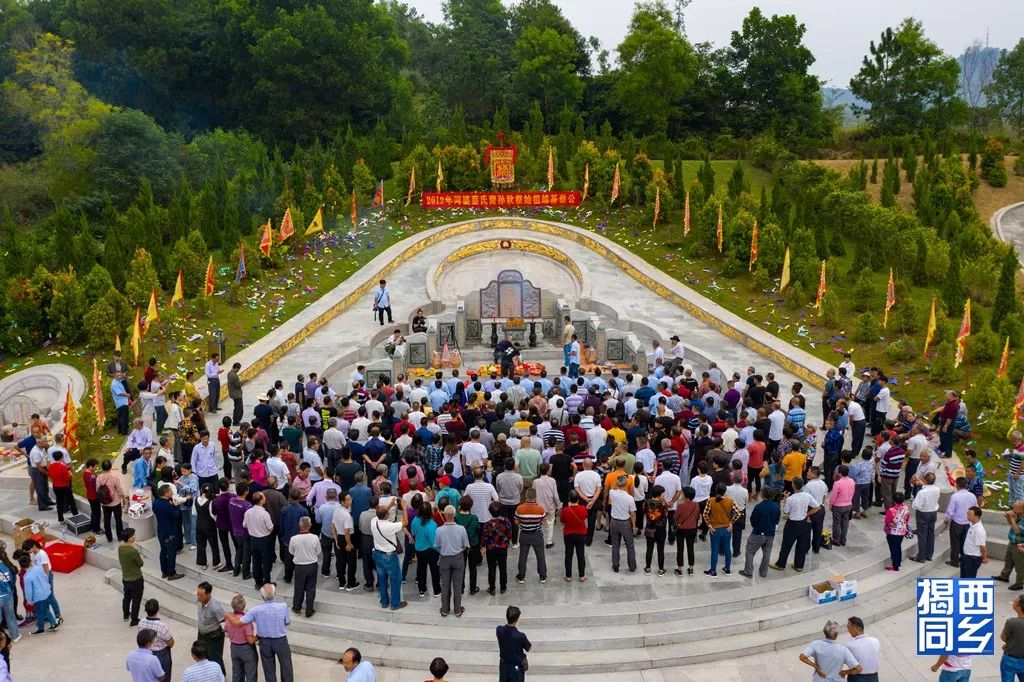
x: 601, y: 648
x: 474, y: 634
x: 701, y: 597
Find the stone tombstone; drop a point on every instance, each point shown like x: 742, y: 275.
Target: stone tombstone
x: 510, y: 295
x: 633, y: 350
x: 417, y: 353
x: 376, y: 368
x: 18, y: 408
x: 446, y: 324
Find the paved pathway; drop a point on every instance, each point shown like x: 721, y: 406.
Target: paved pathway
x: 1009, y: 226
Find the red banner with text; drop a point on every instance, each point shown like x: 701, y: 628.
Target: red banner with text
x: 499, y: 199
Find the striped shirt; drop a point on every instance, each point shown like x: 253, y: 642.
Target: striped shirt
x: 442, y: 420
x: 163, y: 633
x: 530, y: 516
x: 892, y: 462
x: 482, y: 493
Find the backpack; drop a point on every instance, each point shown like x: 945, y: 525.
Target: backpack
x: 103, y: 494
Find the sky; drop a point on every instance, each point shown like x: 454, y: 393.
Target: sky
x: 838, y: 33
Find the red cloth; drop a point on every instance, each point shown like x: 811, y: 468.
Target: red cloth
x: 89, y: 478
x: 60, y: 475
x: 950, y: 410
x: 756, y: 450
x: 224, y: 436
x: 574, y: 520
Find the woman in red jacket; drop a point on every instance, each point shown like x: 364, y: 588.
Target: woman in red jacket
x: 574, y: 534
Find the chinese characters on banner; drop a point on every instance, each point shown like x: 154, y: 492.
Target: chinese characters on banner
x: 956, y: 616
x: 499, y: 199
x: 503, y: 165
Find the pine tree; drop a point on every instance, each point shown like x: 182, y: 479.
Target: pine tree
x: 142, y: 279
x: 910, y: 163
x: 231, y: 234
x: 953, y: 292
x: 737, y: 183
x: 874, y: 172
x: 762, y: 210
x: 63, y: 226
x: 706, y: 176
x: 1005, y: 302
x: 85, y: 248
x: 115, y: 257
x: 457, y: 132
x: 917, y: 272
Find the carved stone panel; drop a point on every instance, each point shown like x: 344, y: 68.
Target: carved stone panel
x: 417, y: 354
x: 473, y: 330
x: 616, y: 350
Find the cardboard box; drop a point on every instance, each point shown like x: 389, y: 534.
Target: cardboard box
x: 26, y: 528
x: 822, y: 593
x: 847, y: 590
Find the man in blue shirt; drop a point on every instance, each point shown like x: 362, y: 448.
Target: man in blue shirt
x: 142, y: 469
x: 763, y: 521
x: 438, y: 397
x: 168, y: 519
x: 142, y: 664
x: 271, y: 619
x: 121, y: 399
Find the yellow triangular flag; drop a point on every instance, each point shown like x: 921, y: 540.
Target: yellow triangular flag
x: 179, y: 288
x: 136, y: 338
x: 929, y: 335
x: 152, y: 314
x: 440, y: 175
x: 117, y: 342
x: 785, y: 272
x: 317, y: 224
x: 586, y: 182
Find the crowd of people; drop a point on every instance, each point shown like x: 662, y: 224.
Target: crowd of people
x: 455, y: 473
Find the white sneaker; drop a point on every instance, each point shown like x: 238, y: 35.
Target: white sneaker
x: 192, y: 548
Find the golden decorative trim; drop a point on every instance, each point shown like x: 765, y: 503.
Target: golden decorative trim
x: 779, y: 357
x: 495, y: 246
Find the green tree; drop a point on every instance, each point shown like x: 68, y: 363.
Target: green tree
x: 547, y: 69
x: 1005, y: 303
x: 190, y: 262
x: 953, y: 291
x: 142, y: 279
x: 908, y: 83
x: 706, y: 176
x: 67, y: 307
x: 476, y: 60
x: 1007, y: 86
x: 363, y: 183
x: 309, y: 69
x: 769, y: 83
x: 737, y: 183
x: 874, y: 172
x: 100, y: 324
x: 97, y: 283
x: 657, y: 66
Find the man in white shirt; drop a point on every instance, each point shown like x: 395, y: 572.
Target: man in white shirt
x: 817, y: 489
x: 482, y: 493
x: 362, y: 425
x: 312, y: 457
x: 334, y: 441
x: 597, y: 436
x: 474, y: 452
x: 797, y: 529
x: 277, y: 468
x: 974, y: 554
x: 343, y: 532
x: 777, y: 418
x: 881, y: 408
x: 915, y: 445
x: 926, y: 507
x: 678, y: 353
x: 866, y: 650
x: 739, y: 495
x: 858, y: 425
x: 645, y: 455
x: 622, y: 513
x: 588, y: 487
x: 417, y: 395
x: 657, y: 355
